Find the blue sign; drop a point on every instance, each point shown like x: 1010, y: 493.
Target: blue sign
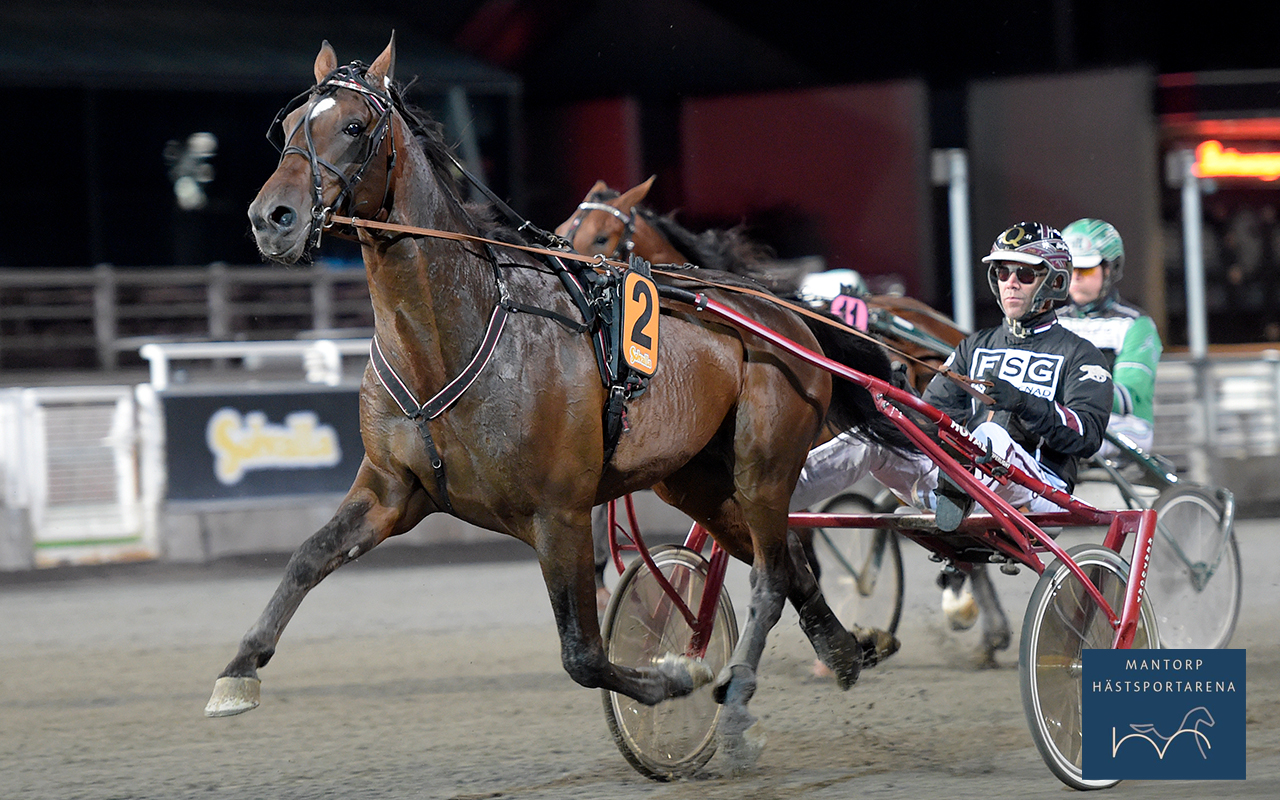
x: 1163, y: 714
x: 221, y: 444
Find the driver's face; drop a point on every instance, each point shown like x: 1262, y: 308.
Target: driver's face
x: 1015, y: 296
x: 1086, y: 284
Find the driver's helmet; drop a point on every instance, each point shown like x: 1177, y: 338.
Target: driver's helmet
x: 1093, y: 242
x: 1037, y: 245
x: 820, y: 288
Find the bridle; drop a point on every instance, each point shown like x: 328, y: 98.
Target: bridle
x: 626, y: 243
x: 352, y: 77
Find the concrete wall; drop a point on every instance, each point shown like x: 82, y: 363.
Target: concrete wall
x: 206, y: 532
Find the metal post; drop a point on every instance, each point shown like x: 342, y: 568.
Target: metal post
x: 219, y: 301
x: 1197, y: 327
x: 1193, y: 258
x: 105, y: 325
x: 321, y: 298
x: 951, y: 168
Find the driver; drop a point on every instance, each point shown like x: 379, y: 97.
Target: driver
x: 1051, y: 390
x: 1124, y: 334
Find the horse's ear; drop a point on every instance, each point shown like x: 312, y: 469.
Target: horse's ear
x: 632, y: 197
x: 384, y: 66
x: 326, y: 62
x: 600, y: 186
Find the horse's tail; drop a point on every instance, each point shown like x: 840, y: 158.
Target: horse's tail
x: 851, y: 405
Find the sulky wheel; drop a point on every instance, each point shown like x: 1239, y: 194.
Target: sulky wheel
x: 1194, y: 579
x: 675, y: 737
x: 1062, y: 621
x: 861, y: 568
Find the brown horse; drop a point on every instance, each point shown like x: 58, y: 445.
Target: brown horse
x: 513, y: 437
x: 617, y: 224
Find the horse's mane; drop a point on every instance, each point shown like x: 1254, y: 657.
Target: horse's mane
x: 728, y: 250
x: 722, y: 249
x: 429, y: 134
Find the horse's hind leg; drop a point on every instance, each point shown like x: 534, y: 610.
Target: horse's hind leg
x: 836, y: 647
x: 995, y: 625
x: 356, y: 528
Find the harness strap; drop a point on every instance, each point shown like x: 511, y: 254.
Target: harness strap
x: 422, y: 413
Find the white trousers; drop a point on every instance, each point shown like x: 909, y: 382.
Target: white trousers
x: 838, y: 464
x: 1137, y: 429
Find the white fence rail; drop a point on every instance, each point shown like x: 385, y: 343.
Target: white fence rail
x: 1221, y: 409
x: 82, y: 473
x: 321, y: 359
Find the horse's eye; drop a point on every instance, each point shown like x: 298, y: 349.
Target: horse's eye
x: 354, y: 129
x: 601, y: 241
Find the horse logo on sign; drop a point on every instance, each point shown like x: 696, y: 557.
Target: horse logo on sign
x: 1147, y: 732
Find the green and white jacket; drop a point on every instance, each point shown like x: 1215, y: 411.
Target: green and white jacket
x: 1129, y: 340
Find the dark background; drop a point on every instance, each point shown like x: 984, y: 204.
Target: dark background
x: 96, y: 90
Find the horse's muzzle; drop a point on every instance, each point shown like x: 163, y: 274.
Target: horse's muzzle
x: 279, y: 230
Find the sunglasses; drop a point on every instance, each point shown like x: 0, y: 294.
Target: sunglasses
x: 1087, y: 272
x: 1025, y: 275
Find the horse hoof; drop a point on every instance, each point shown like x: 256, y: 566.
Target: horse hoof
x: 742, y: 750
x: 996, y: 641
x: 233, y: 696
x: 877, y: 645
x: 687, y: 674
x: 960, y: 608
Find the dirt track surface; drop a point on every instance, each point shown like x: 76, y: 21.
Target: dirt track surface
x: 445, y: 682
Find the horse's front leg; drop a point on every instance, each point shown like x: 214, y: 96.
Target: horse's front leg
x: 360, y: 524
x: 565, y: 554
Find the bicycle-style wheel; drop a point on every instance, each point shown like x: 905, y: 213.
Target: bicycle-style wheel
x: 861, y: 568
x: 675, y: 737
x: 1194, y: 579
x: 1063, y: 621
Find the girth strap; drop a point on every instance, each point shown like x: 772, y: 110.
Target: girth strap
x: 421, y: 413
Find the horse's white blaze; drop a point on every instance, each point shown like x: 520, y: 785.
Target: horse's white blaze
x: 322, y: 105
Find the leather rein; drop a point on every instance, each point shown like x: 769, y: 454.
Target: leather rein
x: 600, y: 263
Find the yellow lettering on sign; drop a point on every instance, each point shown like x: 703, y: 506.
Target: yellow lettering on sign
x: 243, y: 443
x: 1215, y: 161
x: 640, y: 323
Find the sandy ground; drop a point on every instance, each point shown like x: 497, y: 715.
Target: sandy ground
x: 444, y: 681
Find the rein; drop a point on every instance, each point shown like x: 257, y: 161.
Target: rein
x: 600, y: 262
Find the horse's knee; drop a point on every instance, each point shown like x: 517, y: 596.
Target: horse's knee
x: 586, y: 665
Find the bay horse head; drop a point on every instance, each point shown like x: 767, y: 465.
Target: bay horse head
x: 614, y: 225
x: 337, y: 152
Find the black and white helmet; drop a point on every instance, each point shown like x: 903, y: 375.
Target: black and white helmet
x: 1036, y: 245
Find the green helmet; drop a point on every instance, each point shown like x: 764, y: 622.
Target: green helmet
x: 1093, y: 242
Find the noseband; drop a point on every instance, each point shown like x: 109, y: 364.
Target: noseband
x: 352, y: 77
x: 622, y: 251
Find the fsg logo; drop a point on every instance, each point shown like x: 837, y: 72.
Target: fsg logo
x: 1034, y: 373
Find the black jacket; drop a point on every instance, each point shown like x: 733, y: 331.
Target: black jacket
x: 1066, y: 377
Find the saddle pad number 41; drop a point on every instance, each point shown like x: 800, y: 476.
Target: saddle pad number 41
x: 640, y: 323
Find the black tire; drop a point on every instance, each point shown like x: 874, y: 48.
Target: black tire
x: 1194, y: 579
x: 1062, y: 621
x: 676, y: 737
x: 861, y: 568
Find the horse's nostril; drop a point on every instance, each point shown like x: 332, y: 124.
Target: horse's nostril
x: 284, y: 217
